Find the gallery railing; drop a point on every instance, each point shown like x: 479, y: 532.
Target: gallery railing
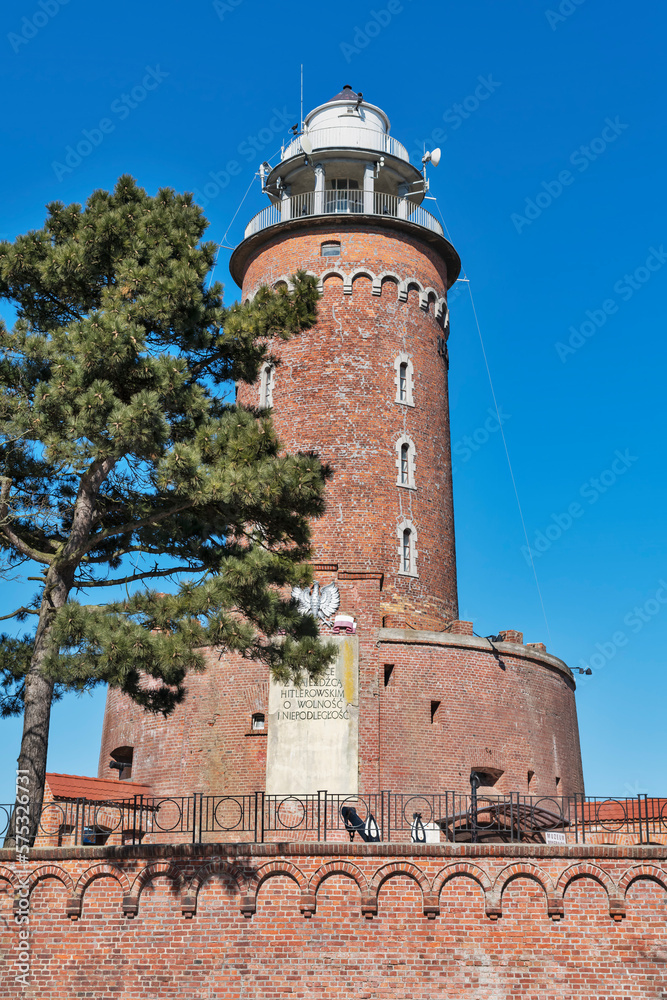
x: 386, y: 816
x: 347, y: 202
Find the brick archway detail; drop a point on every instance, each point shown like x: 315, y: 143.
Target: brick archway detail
x: 513, y: 872
x: 383, y: 278
x: 430, y: 903
x: 614, y: 895
x: 8, y: 876
x: 205, y: 872
x: 308, y: 904
x: 406, y: 285
x: 150, y: 872
x: 101, y: 871
x: 75, y: 902
x: 400, y: 868
x: 494, y: 898
x: 461, y: 870
x: 584, y: 870
x: 272, y: 870
x: 51, y: 871
x: 332, y: 272
x: 338, y: 868
x: 649, y: 872
x: 403, y: 286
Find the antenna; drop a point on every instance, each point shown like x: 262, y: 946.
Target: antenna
x: 433, y: 158
x: 301, y: 118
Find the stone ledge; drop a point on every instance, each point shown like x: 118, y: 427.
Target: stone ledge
x: 414, y: 637
x: 385, y: 225
x: 319, y: 849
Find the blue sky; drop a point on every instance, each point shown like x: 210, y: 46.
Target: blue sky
x: 551, y: 122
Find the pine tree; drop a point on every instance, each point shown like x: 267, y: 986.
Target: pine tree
x: 122, y: 462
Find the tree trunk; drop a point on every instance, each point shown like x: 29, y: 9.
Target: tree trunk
x: 37, y: 714
x: 39, y: 689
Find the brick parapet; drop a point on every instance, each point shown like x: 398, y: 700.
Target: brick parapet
x: 250, y: 921
x: 535, y: 652
x: 149, y: 852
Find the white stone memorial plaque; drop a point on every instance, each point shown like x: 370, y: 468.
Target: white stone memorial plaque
x: 313, y: 731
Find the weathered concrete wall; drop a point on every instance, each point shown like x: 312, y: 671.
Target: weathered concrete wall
x: 314, y: 921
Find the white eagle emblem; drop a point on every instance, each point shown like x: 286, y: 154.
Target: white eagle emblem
x: 319, y: 603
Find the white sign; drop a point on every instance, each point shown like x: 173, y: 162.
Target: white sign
x: 554, y: 838
x: 313, y: 731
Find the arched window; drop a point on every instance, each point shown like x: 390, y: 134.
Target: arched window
x: 258, y: 722
x: 405, y: 462
x: 404, y: 379
x: 407, y: 548
x: 266, y: 383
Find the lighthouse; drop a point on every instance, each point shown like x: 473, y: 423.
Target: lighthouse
x: 415, y: 700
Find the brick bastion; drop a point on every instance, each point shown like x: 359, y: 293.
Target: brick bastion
x: 315, y: 920
x: 432, y: 707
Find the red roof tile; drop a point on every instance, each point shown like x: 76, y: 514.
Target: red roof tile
x: 78, y: 786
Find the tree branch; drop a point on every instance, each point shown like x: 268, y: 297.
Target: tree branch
x: 82, y: 585
x: 11, y: 536
x: 117, y: 553
x: 132, y: 526
x: 27, y: 611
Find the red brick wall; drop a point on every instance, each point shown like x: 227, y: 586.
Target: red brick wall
x: 314, y: 922
x: 335, y: 394
x: 505, y: 712
x: 513, y: 711
x: 207, y: 744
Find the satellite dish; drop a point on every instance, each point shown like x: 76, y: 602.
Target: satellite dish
x: 306, y: 144
x: 435, y: 156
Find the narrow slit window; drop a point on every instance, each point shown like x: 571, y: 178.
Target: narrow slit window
x: 435, y: 705
x: 267, y: 382
x: 407, y: 545
x: 405, y: 464
x: 388, y: 671
x: 404, y: 380
x: 403, y: 383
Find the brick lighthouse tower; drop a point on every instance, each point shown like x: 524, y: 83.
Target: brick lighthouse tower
x: 415, y: 701
x: 368, y: 389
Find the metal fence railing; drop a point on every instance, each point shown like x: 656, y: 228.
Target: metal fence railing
x: 387, y: 816
x: 341, y: 202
